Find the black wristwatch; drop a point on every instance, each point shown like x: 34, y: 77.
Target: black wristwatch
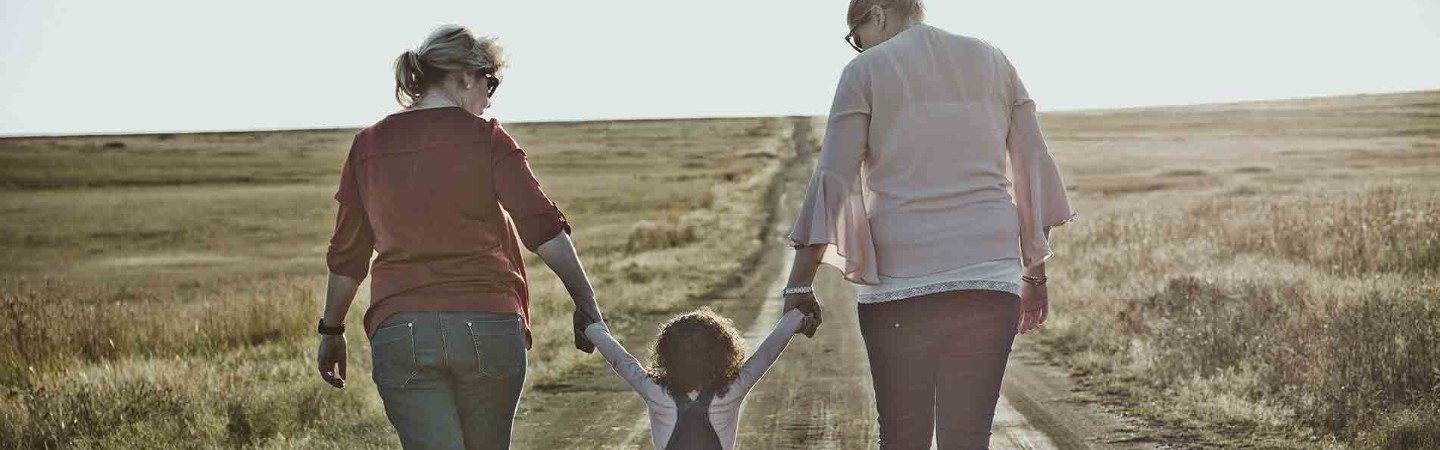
x: 335, y: 330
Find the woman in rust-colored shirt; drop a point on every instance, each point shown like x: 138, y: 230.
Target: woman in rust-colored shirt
x: 440, y: 194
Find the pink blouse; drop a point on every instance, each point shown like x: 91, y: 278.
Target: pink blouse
x: 911, y: 175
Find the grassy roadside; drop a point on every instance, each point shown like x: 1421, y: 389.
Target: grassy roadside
x: 1256, y: 275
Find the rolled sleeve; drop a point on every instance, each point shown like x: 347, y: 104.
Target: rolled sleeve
x: 353, y: 242
x: 537, y: 219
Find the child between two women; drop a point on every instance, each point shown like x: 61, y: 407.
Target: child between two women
x: 700, y: 375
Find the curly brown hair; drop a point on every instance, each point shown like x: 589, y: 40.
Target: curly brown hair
x: 697, y: 351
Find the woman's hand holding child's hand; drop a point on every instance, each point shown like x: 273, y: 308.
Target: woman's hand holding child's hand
x: 807, y: 323
x: 807, y: 304
x: 582, y: 321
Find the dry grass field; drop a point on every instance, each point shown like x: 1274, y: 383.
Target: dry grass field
x: 160, y: 290
x: 1243, y: 275
x: 1257, y: 274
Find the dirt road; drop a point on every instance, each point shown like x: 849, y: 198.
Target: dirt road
x: 818, y: 396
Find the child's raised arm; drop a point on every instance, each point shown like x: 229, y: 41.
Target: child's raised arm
x: 624, y: 364
x: 769, y: 351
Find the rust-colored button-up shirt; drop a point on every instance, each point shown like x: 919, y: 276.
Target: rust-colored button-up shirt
x: 439, y: 193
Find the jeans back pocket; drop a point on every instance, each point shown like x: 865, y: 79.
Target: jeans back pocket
x: 499, y: 347
x: 392, y: 355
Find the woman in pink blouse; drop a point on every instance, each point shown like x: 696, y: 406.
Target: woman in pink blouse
x: 910, y: 201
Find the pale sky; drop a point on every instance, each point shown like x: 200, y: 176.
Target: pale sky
x: 91, y: 66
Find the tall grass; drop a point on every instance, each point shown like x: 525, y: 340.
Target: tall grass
x: 52, y: 325
x: 249, y: 397
x: 1308, y: 314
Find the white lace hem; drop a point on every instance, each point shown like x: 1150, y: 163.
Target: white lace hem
x: 944, y: 286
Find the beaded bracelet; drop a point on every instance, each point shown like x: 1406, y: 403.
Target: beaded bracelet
x: 1033, y: 281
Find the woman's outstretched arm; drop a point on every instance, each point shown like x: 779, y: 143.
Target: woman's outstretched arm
x: 543, y: 228
x: 559, y: 254
x: 832, y: 212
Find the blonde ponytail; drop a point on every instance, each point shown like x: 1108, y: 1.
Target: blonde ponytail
x: 448, y: 48
x: 408, y: 76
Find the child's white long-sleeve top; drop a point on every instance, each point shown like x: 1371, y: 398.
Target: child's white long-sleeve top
x: 724, y: 410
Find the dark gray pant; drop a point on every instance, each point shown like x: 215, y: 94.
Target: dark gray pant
x: 450, y: 380
x: 937, y: 361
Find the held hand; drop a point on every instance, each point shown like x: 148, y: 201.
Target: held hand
x: 807, y: 304
x: 807, y: 322
x: 592, y: 311
x: 582, y: 319
x: 332, y: 359
x: 1034, y: 307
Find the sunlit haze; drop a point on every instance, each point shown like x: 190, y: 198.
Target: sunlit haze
x: 86, y: 66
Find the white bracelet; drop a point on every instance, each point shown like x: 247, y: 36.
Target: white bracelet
x: 797, y: 290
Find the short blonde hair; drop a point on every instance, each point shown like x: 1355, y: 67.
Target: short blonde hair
x: 449, y: 48
x: 907, y: 9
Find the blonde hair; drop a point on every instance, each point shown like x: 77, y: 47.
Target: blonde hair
x: 907, y: 9
x: 449, y: 48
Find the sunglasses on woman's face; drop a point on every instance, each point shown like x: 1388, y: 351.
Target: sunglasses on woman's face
x: 491, y: 83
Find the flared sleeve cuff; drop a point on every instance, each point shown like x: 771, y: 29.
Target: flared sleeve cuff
x: 1042, y: 203
x: 1040, y: 196
x: 834, y: 213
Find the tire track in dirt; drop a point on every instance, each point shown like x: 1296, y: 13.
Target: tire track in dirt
x: 598, y: 410
x: 818, y: 395
x: 1071, y: 416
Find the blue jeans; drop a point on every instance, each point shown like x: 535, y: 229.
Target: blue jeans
x: 450, y: 380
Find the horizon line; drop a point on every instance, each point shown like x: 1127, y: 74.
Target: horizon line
x: 706, y: 117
